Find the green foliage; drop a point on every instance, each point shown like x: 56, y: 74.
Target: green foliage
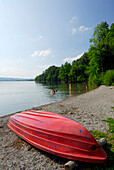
x: 95, y: 66
x: 94, y: 79
x: 99, y: 34
x: 97, y: 134
x: 50, y: 75
x: 109, y: 148
x: 111, y: 124
x: 101, y: 52
x: 73, y: 73
x: 109, y: 77
x: 78, y: 70
x: 64, y: 72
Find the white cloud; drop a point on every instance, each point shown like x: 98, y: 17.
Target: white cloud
x: 73, y: 20
x: 73, y: 31
x: 20, y: 72
x: 41, y: 37
x: 38, y: 38
x: 42, y: 53
x: 16, y: 72
x: 73, y: 58
x: 43, y: 66
x: 35, y: 54
x: 83, y: 28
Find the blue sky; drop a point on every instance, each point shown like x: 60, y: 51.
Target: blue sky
x: 35, y: 34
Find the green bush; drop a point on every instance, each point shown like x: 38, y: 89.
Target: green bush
x: 109, y: 77
x: 93, y: 79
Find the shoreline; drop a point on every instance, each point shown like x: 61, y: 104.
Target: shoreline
x: 33, y: 108
x: 89, y: 109
x: 86, y: 104
x: 56, y: 98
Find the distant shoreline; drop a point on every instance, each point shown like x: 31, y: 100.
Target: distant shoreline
x: 15, y: 79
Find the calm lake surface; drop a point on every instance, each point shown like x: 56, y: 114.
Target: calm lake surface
x: 21, y: 95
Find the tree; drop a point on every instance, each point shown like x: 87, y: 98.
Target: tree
x: 100, y: 52
x: 109, y: 77
x: 78, y: 70
x: 110, y: 48
x: 98, y: 39
x: 110, y: 38
x: 73, y: 73
x: 64, y: 72
x: 50, y: 75
x: 92, y: 65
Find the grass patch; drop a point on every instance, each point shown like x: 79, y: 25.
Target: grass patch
x: 110, y: 121
x: 109, y: 148
x: 98, y: 135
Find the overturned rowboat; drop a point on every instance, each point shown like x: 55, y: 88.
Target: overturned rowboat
x: 58, y: 135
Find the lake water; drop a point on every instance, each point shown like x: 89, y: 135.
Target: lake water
x: 21, y: 95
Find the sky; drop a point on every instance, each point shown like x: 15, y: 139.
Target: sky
x: 36, y: 34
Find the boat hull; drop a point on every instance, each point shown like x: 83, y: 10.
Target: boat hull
x: 58, y: 135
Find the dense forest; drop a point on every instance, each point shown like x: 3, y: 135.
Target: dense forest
x: 95, y: 66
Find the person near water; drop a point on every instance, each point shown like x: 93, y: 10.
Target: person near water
x: 53, y: 91
x: 86, y: 88
x: 70, y: 87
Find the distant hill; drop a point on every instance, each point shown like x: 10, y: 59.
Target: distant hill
x: 14, y: 79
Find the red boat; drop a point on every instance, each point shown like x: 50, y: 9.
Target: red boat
x: 58, y: 135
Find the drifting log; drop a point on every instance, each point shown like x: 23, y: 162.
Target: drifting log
x: 71, y: 164
x: 102, y: 141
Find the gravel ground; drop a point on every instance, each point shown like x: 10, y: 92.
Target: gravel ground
x: 88, y: 109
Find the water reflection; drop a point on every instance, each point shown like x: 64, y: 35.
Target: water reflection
x: 69, y: 89
x: 16, y: 96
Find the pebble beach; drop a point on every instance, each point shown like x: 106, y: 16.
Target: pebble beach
x: 89, y: 109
